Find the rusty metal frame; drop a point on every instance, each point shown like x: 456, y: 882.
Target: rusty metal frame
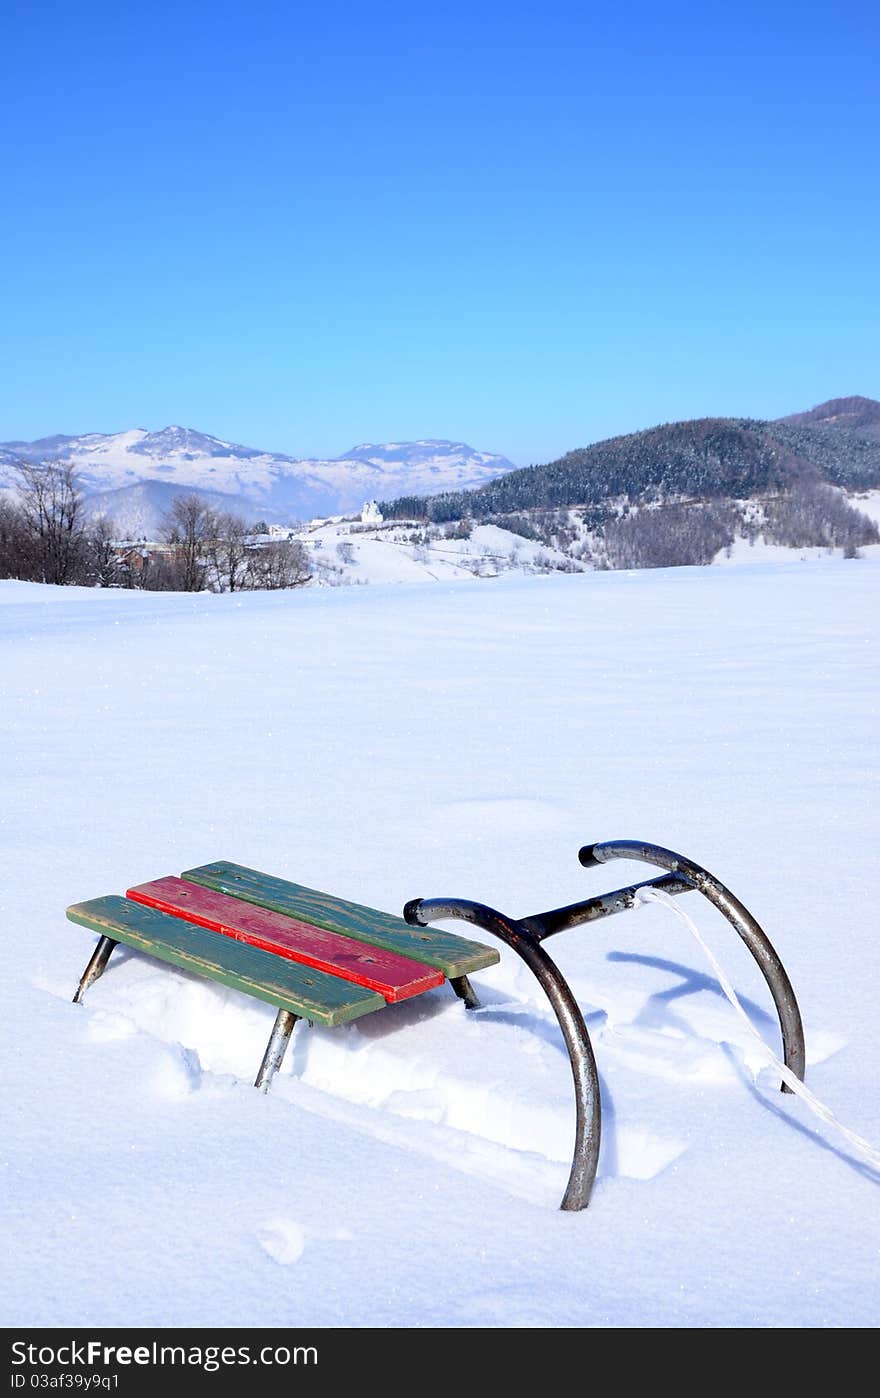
x: 525, y: 935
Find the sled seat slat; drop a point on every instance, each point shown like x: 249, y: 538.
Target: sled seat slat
x: 454, y: 956
x: 392, y: 976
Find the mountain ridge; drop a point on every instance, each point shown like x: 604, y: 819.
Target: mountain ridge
x: 698, y: 458
x: 132, y: 475
x: 116, y: 469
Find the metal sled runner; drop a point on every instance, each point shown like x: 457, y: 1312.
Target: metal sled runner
x: 526, y: 935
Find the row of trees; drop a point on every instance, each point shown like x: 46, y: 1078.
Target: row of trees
x: 814, y: 515
x: 809, y: 515
x: 671, y: 536
x: 212, y: 549
x: 46, y: 535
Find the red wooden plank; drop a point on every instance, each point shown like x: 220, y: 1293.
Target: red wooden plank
x: 394, y: 977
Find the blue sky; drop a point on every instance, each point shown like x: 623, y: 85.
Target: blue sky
x: 528, y: 226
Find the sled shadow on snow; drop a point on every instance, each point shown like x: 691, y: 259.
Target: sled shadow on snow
x: 497, y: 1007
x: 500, y: 1008
x: 861, y: 1167
x: 656, y: 1013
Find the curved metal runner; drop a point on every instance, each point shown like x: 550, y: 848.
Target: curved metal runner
x: 524, y: 936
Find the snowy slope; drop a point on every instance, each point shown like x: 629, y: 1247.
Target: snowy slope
x: 342, y: 554
x: 343, y: 551
x: 270, y: 484
x: 387, y: 743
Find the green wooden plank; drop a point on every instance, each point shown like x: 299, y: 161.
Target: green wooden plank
x: 285, y: 984
x: 454, y: 956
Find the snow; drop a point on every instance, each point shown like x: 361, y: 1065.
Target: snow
x: 744, y: 551
x: 385, y: 743
x: 387, y: 552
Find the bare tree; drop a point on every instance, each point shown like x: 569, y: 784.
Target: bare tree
x: 52, y: 514
x: 188, y: 528
x: 815, y: 515
x: 227, y: 552
x: 670, y: 536
x: 104, y: 564
x: 283, y: 563
x: 18, y: 558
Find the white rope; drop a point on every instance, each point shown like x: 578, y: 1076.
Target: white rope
x: 870, y: 1153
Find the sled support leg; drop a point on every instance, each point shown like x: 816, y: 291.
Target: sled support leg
x: 465, y: 991
x: 96, y: 967
x: 275, y: 1049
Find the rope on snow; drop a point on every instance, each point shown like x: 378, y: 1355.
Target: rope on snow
x: 864, y: 1148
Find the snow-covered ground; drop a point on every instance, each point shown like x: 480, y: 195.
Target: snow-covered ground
x: 384, y: 743
x: 344, y: 551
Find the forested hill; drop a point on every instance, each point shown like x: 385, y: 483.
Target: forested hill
x: 709, y: 458
x: 858, y: 416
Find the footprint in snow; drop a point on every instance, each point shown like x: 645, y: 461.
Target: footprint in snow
x: 178, y: 1072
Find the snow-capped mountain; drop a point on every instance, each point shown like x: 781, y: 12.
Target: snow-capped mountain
x: 433, y: 457
x: 132, y: 475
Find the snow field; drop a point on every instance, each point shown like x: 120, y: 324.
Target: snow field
x: 387, y: 743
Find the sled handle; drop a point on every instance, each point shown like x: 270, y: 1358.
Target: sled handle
x: 741, y: 920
